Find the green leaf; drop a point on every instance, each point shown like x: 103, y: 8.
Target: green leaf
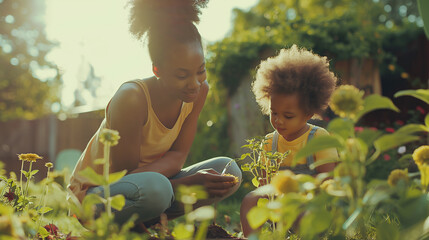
x: 89, y: 202
x: 412, y: 128
x: 342, y: 127
x: 405, y: 158
x: 375, y: 102
x: 427, y: 120
x: 352, y: 218
x: 255, y: 182
x: 92, y: 176
x: 374, y: 196
x: 369, y: 136
x: 386, y: 231
x: 321, y: 162
x: 34, y: 172
x: 44, y: 210
x: 311, y: 223
x: 183, y: 231
x: 262, y: 202
x: 389, y: 141
x: 422, y: 94
x: 317, y: 144
x: 413, y: 210
x: 245, y: 167
x: 257, y: 216
x: 43, y: 232
x: 114, y: 177
x: 202, y: 214
x: 25, y: 173
x: 118, y: 202
x: 243, y: 156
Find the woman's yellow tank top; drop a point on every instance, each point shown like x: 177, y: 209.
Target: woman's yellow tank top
x: 156, y: 141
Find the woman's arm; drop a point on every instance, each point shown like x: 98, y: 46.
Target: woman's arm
x: 172, y: 161
x: 127, y: 113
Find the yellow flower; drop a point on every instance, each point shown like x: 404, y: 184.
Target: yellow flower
x: 391, y: 67
x: 109, y: 136
x: 230, y: 175
x: 347, y: 101
x: 421, y: 155
x: 285, y: 182
x: 396, y: 175
x: 29, y: 157
x: 424, y: 176
x: 405, y: 75
x: 49, y: 165
x: 325, y: 184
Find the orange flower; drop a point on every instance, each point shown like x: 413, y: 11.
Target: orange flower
x: 405, y: 75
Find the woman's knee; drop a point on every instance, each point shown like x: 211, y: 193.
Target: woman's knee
x: 155, y: 192
x: 233, y: 169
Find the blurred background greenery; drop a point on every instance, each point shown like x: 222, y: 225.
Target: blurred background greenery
x: 377, y: 45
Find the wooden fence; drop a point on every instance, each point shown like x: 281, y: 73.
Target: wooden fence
x: 47, y: 137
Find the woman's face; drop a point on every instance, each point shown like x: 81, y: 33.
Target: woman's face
x: 183, y: 70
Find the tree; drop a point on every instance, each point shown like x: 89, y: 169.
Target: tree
x: 24, y: 93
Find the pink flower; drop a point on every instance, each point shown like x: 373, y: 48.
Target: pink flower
x: 358, y: 129
x: 400, y: 122
x: 386, y: 157
x: 391, y: 130
x: 420, y: 109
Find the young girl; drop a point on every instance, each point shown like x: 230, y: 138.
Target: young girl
x: 157, y: 118
x: 291, y: 88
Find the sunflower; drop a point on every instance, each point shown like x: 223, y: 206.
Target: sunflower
x: 396, y: 175
x: 285, y: 182
x: 29, y: 157
x: 346, y: 101
x: 421, y: 155
x: 49, y: 165
x: 109, y: 136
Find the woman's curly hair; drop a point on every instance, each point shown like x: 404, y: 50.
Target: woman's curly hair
x: 164, y: 21
x: 293, y: 71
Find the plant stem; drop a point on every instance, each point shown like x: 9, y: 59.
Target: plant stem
x: 106, y: 178
x: 202, y: 230
x: 43, y: 203
x: 20, y: 179
x: 28, y: 179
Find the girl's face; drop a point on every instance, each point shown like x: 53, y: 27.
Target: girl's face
x: 287, y: 117
x: 183, y: 71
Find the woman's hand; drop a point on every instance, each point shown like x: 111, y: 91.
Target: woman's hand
x: 215, y: 184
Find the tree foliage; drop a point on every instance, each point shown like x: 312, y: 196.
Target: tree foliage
x: 24, y: 93
x: 339, y: 29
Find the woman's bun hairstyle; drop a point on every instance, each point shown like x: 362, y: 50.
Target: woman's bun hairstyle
x: 148, y: 14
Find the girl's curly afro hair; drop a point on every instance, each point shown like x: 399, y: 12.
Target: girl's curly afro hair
x: 293, y: 71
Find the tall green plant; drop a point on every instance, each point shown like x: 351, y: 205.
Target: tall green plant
x: 346, y: 206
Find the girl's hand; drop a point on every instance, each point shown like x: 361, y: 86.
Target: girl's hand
x: 215, y: 184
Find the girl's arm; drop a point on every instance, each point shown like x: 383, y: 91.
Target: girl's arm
x: 173, y: 160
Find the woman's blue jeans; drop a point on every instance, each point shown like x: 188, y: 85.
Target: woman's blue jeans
x: 149, y: 194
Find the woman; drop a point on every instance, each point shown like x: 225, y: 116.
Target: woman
x: 157, y: 119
